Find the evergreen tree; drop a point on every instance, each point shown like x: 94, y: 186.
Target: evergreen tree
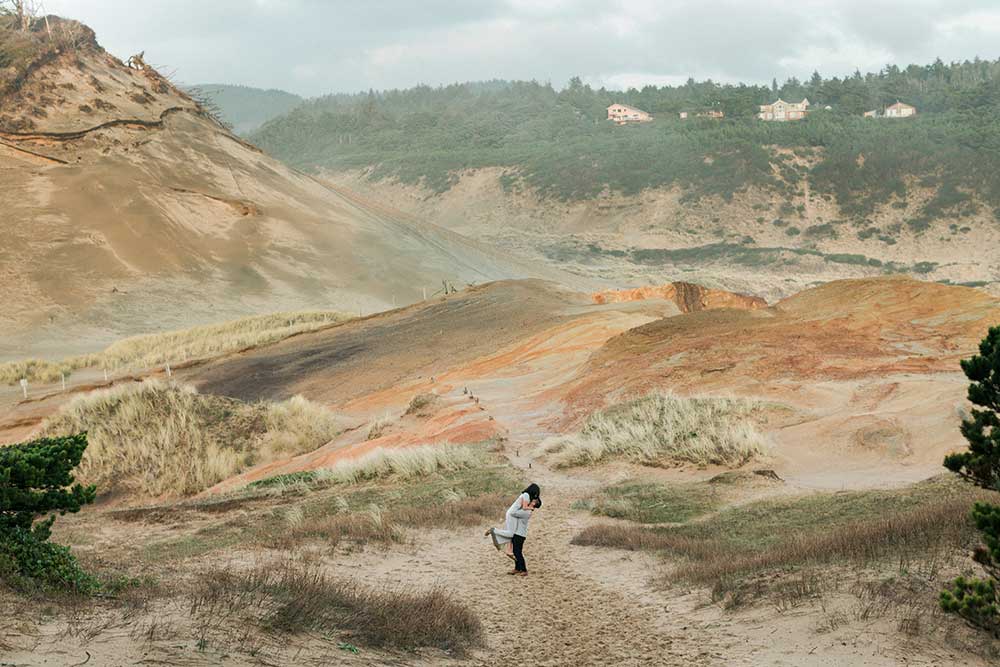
x: 36, y: 479
x: 977, y: 600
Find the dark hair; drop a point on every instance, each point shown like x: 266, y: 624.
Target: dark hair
x: 538, y: 502
x: 533, y: 491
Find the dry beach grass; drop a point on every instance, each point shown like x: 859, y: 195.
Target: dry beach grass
x: 140, y: 352
x: 661, y: 428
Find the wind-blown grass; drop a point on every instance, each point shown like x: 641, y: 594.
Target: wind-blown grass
x: 156, y: 438
x: 399, y: 464
x: 294, y: 598
x: 862, y: 527
x: 661, y: 428
x: 176, y: 347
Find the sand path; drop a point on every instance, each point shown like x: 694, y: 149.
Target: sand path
x: 577, y: 605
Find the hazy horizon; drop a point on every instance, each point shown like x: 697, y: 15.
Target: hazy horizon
x: 314, y: 48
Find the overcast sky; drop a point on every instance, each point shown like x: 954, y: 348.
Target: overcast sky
x: 313, y: 47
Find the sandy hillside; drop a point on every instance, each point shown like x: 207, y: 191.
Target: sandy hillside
x: 864, y: 397
x: 128, y: 209
x: 748, y: 244
x: 868, y: 368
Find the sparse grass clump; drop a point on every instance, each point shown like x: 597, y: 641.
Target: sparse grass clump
x: 857, y: 527
x: 661, y: 429
x: 402, y: 464
x: 295, y: 598
x: 398, y: 464
x: 155, y: 438
x: 175, y: 347
x: 377, y: 513
x: 421, y: 403
x: 377, y: 427
x: 655, y: 503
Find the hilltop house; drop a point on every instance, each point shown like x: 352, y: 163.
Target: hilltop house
x: 710, y: 113
x: 897, y: 110
x: 623, y: 113
x: 781, y: 110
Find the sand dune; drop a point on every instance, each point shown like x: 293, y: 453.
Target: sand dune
x: 127, y: 209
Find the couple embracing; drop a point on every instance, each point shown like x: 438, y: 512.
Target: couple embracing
x: 510, y: 538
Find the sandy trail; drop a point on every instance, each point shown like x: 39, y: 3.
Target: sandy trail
x: 560, y: 613
x: 577, y: 605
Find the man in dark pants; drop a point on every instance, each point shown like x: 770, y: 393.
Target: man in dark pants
x: 519, y: 566
x: 520, y: 534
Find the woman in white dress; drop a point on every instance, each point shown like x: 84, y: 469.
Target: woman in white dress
x: 520, y: 510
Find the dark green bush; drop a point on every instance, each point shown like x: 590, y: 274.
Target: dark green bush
x: 976, y: 600
x: 36, y: 480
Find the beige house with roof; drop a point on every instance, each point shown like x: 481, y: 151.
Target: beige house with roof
x: 900, y: 110
x: 781, y: 110
x: 623, y: 113
x: 897, y: 110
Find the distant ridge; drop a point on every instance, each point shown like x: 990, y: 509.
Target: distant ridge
x: 243, y: 107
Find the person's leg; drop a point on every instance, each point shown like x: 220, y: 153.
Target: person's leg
x: 519, y: 564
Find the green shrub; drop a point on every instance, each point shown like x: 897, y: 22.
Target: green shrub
x: 36, y: 480
x: 977, y: 600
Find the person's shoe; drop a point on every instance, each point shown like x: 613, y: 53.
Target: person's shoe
x: 488, y: 531
x: 510, y: 556
x: 521, y: 573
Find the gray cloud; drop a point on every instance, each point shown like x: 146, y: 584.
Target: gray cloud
x: 315, y: 46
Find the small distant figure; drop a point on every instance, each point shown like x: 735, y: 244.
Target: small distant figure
x: 137, y: 61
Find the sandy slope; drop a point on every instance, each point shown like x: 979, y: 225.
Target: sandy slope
x: 866, y: 371
x: 143, y: 214
x: 566, y: 233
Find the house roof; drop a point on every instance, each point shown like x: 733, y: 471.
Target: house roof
x: 900, y: 105
x: 625, y: 106
x: 805, y: 102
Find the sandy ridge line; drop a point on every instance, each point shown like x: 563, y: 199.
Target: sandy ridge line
x: 47, y: 158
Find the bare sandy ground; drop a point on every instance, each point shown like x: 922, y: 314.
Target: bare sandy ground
x: 577, y: 606
x: 562, y: 232
x: 581, y: 605
x: 866, y: 377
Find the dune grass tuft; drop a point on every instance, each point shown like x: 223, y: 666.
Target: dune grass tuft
x: 861, y: 527
x: 398, y: 464
x: 140, y: 352
x: 661, y: 429
x: 295, y: 598
x: 156, y: 438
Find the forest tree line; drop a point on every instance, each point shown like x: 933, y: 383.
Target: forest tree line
x: 558, y: 143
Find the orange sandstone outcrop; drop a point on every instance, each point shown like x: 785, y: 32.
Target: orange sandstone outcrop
x: 688, y: 297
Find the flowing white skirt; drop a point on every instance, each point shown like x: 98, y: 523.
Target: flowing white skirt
x: 503, y: 536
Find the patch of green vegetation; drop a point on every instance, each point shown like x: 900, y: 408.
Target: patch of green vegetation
x: 36, y: 483
x: 758, y: 525
x: 371, y: 499
x: 655, y: 503
x: 739, y: 253
x: 301, y: 477
x: 824, y: 231
x: 422, y: 492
